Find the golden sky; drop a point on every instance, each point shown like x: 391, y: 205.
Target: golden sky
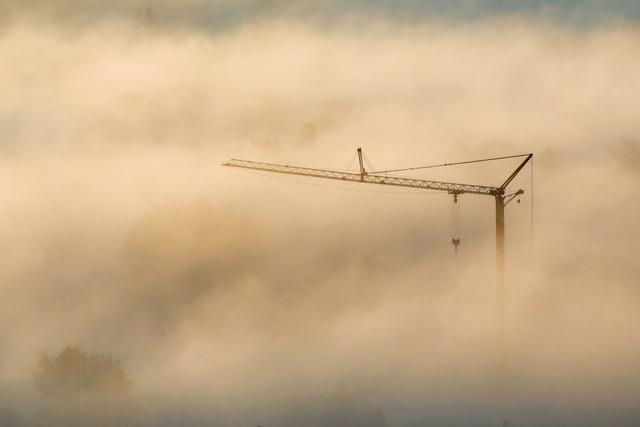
x: 233, y: 298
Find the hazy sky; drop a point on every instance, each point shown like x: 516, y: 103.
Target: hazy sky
x: 236, y: 298
x: 222, y: 14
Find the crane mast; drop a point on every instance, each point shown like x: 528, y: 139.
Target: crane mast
x: 502, y: 199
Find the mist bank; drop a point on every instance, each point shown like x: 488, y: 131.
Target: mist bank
x: 233, y: 298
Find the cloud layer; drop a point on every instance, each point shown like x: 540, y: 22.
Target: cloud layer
x: 237, y: 298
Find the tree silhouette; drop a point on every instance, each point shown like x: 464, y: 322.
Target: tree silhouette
x: 73, y: 374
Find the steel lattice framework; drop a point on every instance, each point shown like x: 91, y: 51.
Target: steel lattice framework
x: 498, y: 193
x: 453, y: 188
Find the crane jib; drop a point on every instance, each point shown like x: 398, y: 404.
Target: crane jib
x: 449, y: 187
x: 501, y: 200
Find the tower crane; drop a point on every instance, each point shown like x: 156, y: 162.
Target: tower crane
x: 500, y: 194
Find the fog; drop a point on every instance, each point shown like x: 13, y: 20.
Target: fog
x: 238, y: 298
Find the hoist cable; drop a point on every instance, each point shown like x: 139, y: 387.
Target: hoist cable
x: 452, y: 222
x: 460, y: 217
x: 532, y: 198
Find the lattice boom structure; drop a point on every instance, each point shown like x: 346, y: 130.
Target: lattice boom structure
x: 498, y: 193
x: 449, y: 187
